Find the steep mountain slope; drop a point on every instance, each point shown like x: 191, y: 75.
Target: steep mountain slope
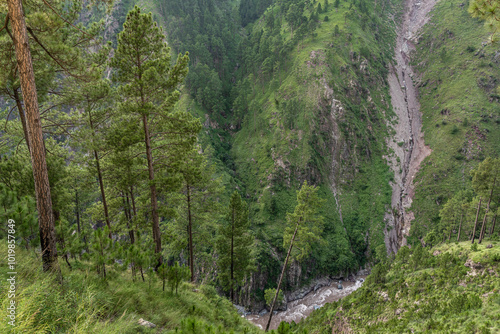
x: 309, y: 102
x: 334, y: 93
x: 448, y: 289
x: 313, y: 104
x: 457, y: 75
x: 408, y: 142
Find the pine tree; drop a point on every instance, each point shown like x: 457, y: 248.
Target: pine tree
x: 304, y: 227
x: 101, y: 248
x: 234, y: 244
x: 485, y: 179
x: 200, y: 205
x: 35, y: 136
x: 487, y: 10
x: 148, y: 86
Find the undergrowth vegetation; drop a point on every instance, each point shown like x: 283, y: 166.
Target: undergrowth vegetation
x: 451, y: 288
x: 460, y: 107
x: 86, y: 303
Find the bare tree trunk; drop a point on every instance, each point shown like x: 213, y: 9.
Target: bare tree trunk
x: 129, y: 217
x: 22, y: 116
x: 154, y: 199
x: 37, y: 153
x: 232, y: 259
x: 460, y: 226
x: 132, y: 198
x: 281, y: 276
x: 103, y: 193
x: 190, y: 231
x: 493, y: 226
x: 475, y: 223
x: 483, y: 227
x: 99, y: 176
x: 77, y: 211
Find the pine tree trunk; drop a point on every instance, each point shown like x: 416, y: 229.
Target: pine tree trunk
x: 131, y: 227
x: 190, y: 231
x: 77, y: 209
x: 281, y: 276
x: 103, y: 193
x: 132, y: 198
x: 232, y: 258
x: 460, y: 226
x: 483, y: 227
x: 475, y: 223
x: 493, y: 226
x: 154, y: 200
x: 22, y: 116
x: 37, y: 153
x: 99, y: 176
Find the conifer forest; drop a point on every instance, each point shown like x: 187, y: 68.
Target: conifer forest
x: 250, y: 166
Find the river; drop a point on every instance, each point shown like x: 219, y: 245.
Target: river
x: 301, y: 308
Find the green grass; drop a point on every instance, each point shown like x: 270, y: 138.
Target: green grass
x: 461, y: 114
x: 84, y: 303
x: 423, y: 293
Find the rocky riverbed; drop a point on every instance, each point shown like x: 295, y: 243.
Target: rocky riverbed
x: 301, y: 308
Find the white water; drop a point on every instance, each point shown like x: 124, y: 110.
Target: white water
x: 301, y: 308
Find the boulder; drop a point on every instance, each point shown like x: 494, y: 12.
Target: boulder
x: 240, y: 309
x: 340, y: 287
x: 471, y: 264
x: 489, y: 246
x: 146, y: 323
x: 302, y: 292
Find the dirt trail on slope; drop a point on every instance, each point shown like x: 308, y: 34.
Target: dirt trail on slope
x: 408, y: 142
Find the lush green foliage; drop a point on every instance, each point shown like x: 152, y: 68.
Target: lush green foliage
x: 421, y: 290
x: 460, y: 107
x: 234, y: 245
x: 304, y: 224
x: 85, y: 303
x: 269, y: 296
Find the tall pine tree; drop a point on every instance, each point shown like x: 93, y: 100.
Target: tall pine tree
x: 304, y: 226
x: 148, y: 86
x: 234, y: 244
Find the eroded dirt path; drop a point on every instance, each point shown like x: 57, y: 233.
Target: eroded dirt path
x: 408, y: 142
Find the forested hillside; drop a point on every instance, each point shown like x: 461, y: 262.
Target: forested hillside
x: 307, y: 100
x: 246, y: 152
x: 460, y: 106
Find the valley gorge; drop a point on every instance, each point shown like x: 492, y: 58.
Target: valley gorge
x: 347, y: 149
x: 407, y: 157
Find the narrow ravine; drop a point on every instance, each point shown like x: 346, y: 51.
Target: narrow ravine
x: 408, y: 142
x: 301, y: 308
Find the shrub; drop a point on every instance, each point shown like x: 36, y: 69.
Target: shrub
x: 470, y: 49
x: 269, y: 296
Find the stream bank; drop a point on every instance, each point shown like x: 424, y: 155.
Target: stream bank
x: 302, y: 307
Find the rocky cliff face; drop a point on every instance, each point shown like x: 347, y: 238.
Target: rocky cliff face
x: 407, y: 144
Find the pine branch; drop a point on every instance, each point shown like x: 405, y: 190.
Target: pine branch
x: 30, y: 31
x: 62, y: 18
